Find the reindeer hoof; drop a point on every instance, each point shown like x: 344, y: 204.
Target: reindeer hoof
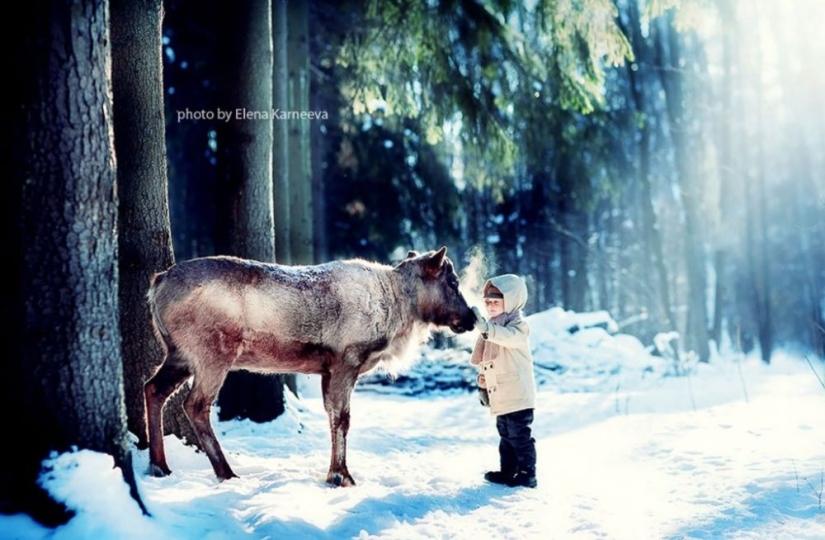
x: 225, y: 473
x: 159, y: 471
x: 340, y: 480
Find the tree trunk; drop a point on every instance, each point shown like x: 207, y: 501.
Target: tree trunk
x: 808, y: 192
x: 245, y: 147
x: 280, y: 146
x: 296, y: 181
x: 696, y: 333
x: 578, y: 225
x: 245, y: 140
x: 762, y: 273
x: 652, y: 231
x: 145, y: 245
x: 730, y: 173
x: 573, y: 228
x: 300, y: 174
x: 66, y: 388
x: 321, y: 97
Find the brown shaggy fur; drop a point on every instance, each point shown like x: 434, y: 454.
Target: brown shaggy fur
x: 339, y: 320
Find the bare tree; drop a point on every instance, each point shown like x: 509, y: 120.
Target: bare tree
x: 300, y: 174
x: 245, y: 146
x: 280, y: 139
x: 66, y: 383
x: 655, y: 254
x: 144, y: 242
x: 669, y: 49
x: 756, y: 229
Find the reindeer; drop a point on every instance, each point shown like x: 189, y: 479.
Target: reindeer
x: 339, y: 320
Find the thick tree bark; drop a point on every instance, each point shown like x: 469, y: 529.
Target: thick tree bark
x: 68, y: 381
x: 144, y: 242
x: 245, y: 145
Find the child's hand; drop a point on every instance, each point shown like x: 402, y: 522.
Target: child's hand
x: 481, y: 322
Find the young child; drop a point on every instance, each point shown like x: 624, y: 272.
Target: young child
x: 502, y: 354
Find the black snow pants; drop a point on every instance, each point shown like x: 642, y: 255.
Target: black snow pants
x: 517, y: 447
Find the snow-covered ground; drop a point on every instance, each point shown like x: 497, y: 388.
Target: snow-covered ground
x: 626, y: 449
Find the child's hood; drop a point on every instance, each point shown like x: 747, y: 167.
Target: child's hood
x: 513, y: 288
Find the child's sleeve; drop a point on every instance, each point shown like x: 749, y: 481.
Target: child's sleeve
x: 508, y: 336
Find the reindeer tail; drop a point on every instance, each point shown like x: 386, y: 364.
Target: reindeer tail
x: 157, y: 283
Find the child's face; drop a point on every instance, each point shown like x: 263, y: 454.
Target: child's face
x: 495, y: 306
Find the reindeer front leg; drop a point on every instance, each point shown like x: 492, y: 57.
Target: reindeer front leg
x: 337, y: 391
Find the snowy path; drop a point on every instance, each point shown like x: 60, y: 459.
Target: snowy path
x: 727, y: 468
x: 628, y: 464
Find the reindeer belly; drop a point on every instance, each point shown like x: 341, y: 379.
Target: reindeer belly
x: 268, y: 353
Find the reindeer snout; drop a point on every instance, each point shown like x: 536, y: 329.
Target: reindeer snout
x: 466, y: 323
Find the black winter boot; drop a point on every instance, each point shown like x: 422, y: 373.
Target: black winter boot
x: 498, y: 477
x: 523, y: 479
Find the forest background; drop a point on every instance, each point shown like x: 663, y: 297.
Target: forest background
x: 660, y: 160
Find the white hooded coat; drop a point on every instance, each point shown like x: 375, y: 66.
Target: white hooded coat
x: 505, y: 358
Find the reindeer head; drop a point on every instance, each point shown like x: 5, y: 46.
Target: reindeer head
x: 431, y: 282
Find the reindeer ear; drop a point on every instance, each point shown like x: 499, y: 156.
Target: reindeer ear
x: 433, y: 265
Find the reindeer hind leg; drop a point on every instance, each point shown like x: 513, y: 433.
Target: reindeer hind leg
x: 167, y: 379
x: 198, y: 407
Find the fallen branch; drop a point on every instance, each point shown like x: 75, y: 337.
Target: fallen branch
x: 821, y: 486
x: 739, y: 365
x: 814, y: 370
